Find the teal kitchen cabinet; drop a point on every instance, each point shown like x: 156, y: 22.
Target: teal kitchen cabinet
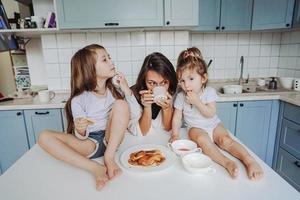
x: 77, y: 14
x: 42, y: 119
x: 231, y: 15
x: 287, y: 148
x: 272, y: 14
x: 13, y: 137
x: 181, y: 13
x: 296, y: 18
x: 253, y: 123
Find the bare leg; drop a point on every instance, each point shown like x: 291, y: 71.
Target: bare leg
x: 224, y: 141
x: 210, y: 149
x: 116, y: 127
x: 73, y: 151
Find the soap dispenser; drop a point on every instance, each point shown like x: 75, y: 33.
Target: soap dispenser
x: 273, y: 84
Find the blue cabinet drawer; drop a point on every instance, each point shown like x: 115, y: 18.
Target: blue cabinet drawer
x: 289, y: 168
x: 292, y: 112
x: 290, y: 137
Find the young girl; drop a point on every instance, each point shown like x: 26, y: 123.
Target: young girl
x: 93, y: 117
x: 147, y: 115
x: 197, y: 103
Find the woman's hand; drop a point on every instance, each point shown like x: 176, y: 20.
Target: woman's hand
x: 147, y: 98
x: 80, y: 125
x: 165, y: 103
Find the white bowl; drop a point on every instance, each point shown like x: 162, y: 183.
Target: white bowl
x: 232, y: 89
x: 286, y: 82
x: 183, y: 147
x: 197, y: 163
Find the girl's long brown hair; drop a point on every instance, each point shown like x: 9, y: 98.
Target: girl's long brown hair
x: 84, y: 78
x: 161, y: 65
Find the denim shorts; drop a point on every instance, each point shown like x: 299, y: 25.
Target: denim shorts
x: 98, y: 137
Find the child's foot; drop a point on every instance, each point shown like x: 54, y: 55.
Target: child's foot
x: 254, y: 170
x: 232, y: 168
x: 113, y: 169
x: 100, y: 176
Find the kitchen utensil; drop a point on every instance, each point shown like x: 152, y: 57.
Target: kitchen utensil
x: 183, y: 147
x: 273, y: 84
x: 297, y: 84
x: 232, y: 89
x: 286, y: 82
x: 210, y: 61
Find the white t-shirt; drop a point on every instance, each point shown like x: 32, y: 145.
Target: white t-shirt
x: 136, y: 111
x: 191, y: 114
x: 91, y: 106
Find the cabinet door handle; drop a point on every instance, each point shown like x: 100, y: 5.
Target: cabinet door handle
x: 111, y: 24
x: 19, y: 113
x: 223, y: 27
x: 42, y: 113
x: 287, y: 25
x: 235, y: 105
x: 217, y: 27
x: 168, y: 22
x: 297, y: 163
x: 241, y: 104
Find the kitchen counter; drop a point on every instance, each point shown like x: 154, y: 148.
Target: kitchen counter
x: 37, y: 176
x: 291, y: 96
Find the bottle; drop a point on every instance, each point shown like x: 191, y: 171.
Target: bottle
x: 273, y: 84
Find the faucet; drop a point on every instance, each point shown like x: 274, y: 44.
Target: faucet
x: 241, y: 80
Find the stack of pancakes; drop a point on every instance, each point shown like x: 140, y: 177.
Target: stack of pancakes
x: 146, y: 158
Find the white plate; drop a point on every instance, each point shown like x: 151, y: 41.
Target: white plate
x: 170, y: 158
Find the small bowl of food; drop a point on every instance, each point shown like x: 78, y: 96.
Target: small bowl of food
x: 197, y: 163
x: 183, y: 147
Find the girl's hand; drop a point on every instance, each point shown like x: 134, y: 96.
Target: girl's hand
x: 174, y: 136
x: 80, y: 125
x: 147, y: 98
x: 121, y: 80
x: 192, y: 98
x: 166, y: 103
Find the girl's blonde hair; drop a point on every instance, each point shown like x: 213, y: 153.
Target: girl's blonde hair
x: 191, y: 59
x: 84, y: 78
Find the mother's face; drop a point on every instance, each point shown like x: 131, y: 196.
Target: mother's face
x: 154, y: 79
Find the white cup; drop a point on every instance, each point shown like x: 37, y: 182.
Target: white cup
x: 297, y: 84
x: 160, y: 93
x: 261, y: 82
x: 46, y: 95
x: 38, y: 20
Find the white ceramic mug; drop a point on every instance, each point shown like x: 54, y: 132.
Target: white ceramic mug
x: 297, y: 84
x: 159, y: 92
x: 46, y: 95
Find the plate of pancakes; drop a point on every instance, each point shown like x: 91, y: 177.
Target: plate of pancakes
x: 147, y: 158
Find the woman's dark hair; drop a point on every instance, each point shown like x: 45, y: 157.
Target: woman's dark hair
x: 160, y: 64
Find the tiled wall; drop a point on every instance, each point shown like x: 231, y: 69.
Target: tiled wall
x: 261, y: 52
x: 127, y: 49
x: 289, y: 57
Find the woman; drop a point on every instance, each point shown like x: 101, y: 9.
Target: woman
x: 147, y: 114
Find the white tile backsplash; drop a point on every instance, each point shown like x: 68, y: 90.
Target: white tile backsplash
x: 265, y: 54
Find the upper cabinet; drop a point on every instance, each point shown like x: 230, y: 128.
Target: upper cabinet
x: 272, y: 14
x: 77, y: 14
x: 296, y: 19
x: 181, y: 13
x: 232, y: 15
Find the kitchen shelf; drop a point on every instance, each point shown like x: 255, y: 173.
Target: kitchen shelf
x: 30, y: 32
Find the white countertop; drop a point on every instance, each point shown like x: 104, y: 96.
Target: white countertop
x: 39, y: 176
x: 291, y: 96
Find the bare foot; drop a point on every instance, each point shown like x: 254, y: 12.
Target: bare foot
x: 100, y: 175
x: 113, y: 169
x: 232, y: 168
x: 254, y: 170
